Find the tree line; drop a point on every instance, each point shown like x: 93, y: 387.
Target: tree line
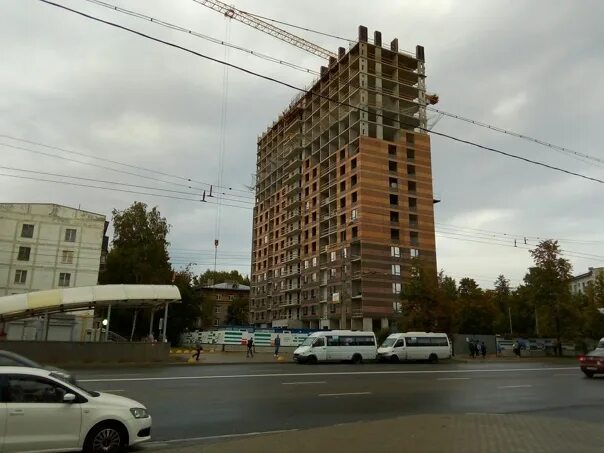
x: 542, y: 305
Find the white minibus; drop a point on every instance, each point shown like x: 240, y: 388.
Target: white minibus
x: 415, y: 346
x: 336, y: 346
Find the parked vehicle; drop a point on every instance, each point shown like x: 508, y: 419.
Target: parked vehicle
x: 42, y: 412
x: 593, y: 362
x: 415, y: 346
x: 337, y: 346
x: 8, y: 358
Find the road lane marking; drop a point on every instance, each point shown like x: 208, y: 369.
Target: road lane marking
x: 221, y: 436
x: 326, y: 373
x: 453, y: 379
x: 523, y: 386
x: 566, y: 374
x: 304, y: 382
x: 345, y: 394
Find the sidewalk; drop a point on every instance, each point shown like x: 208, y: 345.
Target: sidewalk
x: 230, y: 357
x: 465, y: 358
x: 470, y: 433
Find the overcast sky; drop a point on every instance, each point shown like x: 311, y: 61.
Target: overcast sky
x: 531, y: 67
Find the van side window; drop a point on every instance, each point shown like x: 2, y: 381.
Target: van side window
x: 411, y: 341
x: 319, y: 342
x: 400, y: 343
x: 441, y: 341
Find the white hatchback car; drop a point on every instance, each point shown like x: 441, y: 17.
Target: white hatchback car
x: 41, y: 412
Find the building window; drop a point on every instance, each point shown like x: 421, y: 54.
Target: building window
x: 414, y: 253
x: 395, y: 252
x: 67, y: 257
x: 412, y: 203
x: 343, y: 219
x: 216, y: 321
x: 353, y: 180
x: 353, y: 214
x: 342, y: 170
x: 355, y: 232
x: 342, y: 236
x: 412, y: 186
x: 353, y: 163
x: 332, y: 273
x: 396, y: 269
x: 64, y: 278
x: 27, y: 230
x: 217, y: 310
x: 392, y: 166
x: 343, y: 185
x: 413, y: 220
x: 392, y: 184
x: 411, y: 170
x: 314, y: 172
x: 396, y: 288
x: 314, y: 261
x: 332, y: 256
x: 24, y: 253
x: 394, y: 234
x: 20, y: 277
x: 414, y: 237
x: 394, y: 216
x: 410, y: 154
x: 314, y: 277
x: 410, y: 139
x: 343, y: 202
x: 70, y: 235
x: 305, y: 264
x: 393, y: 200
x: 342, y: 154
x: 354, y: 197
x: 392, y: 150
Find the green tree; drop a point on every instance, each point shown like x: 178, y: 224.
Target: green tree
x: 598, y: 289
x: 448, y: 286
x: 138, y: 255
x: 502, y: 298
x: 186, y: 314
x: 210, y: 277
x: 477, y: 310
x: 139, y: 252
x: 238, y: 312
x: 548, y: 285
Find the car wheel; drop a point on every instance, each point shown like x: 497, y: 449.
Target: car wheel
x: 105, y: 438
x: 394, y: 358
x: 433, y: 358
x: 589, y: 374
x: 312, y: 360
x: 356, y: 359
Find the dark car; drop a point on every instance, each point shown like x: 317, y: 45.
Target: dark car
x: 8, y: 358
x: 593, y: 362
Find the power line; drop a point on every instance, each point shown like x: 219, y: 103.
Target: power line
x: 116, y: 190
x: 106, y: 168
x: 518, y: 135
x: 314, y: 93
x: 202, y: 36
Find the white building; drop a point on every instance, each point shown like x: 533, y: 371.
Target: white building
x: 580, y: 283
x: 47, y: 246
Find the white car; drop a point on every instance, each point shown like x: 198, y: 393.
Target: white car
x: 42, y: 412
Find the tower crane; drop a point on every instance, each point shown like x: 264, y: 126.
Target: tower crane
x: 249, y: 19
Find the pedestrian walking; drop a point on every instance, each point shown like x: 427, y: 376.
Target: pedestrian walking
x: 472, y: 347
x: 477, y: 349
x: 483, y: 350
x: 498, y: 349
x: 516, y: 348
x: 250, y: 348
x: 277, y: 345
x: 198, y: 349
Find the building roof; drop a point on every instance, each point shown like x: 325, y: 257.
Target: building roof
x: 232, y: 286
x: 26, y: 305
x: 592, y: 271
x: 55, y: 204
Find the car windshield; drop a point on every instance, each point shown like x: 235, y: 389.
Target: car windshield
x: 62, y: 378
x: 308, y: 341
x: 388, y: 342
x: 601, y: 345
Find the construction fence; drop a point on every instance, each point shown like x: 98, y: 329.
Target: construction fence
x: 239, y: 337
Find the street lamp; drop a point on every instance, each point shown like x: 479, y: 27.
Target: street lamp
x: 104, y: 322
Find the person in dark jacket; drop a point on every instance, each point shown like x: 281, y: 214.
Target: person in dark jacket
x: 277, y: 345
x: 483, y: 350
x: 250, y: 348
x: 198, y: 349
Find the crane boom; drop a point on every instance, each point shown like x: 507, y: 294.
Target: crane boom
x: 266, y: 27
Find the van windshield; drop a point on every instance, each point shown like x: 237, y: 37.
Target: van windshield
x: 308, y: 341
x: 388, y: 343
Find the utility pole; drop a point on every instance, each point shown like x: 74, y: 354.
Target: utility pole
x: 510, y: 317
x: 343, y: 291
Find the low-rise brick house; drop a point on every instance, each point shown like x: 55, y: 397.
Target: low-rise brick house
x: 222, y: 295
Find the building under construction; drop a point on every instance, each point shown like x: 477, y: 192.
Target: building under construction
x: 344, y: 198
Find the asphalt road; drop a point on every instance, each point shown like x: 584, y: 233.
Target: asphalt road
x: 208, y: 403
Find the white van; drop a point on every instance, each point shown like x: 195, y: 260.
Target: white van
x: 415, y: 346
x: 336, y: 346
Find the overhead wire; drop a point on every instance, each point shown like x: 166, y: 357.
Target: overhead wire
x: 117, y: 170
x: 314, y: 93
x: 202, y: 36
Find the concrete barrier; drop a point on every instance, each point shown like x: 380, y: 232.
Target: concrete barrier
x: 73, y: 353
